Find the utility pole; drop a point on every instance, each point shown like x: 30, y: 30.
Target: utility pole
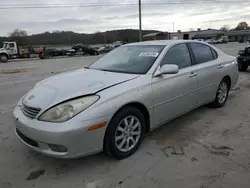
x: 173, y: 26
x: 69, y: 40
x: 140, y: 30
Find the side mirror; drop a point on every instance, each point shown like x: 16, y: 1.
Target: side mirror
x: 167, y: 69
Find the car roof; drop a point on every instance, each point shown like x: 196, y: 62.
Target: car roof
x: 162, y: 42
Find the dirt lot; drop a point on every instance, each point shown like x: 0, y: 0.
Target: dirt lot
x: 205, y: 148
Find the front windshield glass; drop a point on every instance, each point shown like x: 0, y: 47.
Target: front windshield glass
x: 4, y: 45
x: 136, y: 59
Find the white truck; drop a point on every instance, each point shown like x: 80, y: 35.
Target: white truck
x: 11, y: 50
x: 222, y: 40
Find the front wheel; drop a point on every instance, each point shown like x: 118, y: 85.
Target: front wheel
x: 125, y: 133
x: 221, y: 95
x: 3, y: 58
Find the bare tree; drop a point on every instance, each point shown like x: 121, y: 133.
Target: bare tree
x: 18, y: 33
x: 225, y: 28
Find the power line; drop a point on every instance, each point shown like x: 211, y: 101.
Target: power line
x: 131, y: 1
x: 111, y: 4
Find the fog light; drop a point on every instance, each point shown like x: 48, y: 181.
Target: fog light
x: 57, y: 148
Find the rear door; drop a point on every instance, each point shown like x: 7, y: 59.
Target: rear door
x: 210, y: 71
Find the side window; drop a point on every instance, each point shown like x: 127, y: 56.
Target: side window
x: 215, y: 55
x: 202, y: 53
x: 178, y: 55
x: 11, y: 45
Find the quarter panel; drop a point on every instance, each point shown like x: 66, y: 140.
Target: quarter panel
x: 231, y: 69
x: 209, y: 77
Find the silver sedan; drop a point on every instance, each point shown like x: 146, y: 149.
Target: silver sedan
x: 114, y: 102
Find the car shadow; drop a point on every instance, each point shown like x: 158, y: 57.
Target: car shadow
x: 181, y: 129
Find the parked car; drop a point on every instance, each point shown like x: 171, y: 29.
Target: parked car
x: 52, y: 52
x: 210, y: 41
x: 105, y: 49
x: 128, y: 92
x: 242, y: 41
x: 244, y: 59
x: 85, y: 49
x: 222, y: 40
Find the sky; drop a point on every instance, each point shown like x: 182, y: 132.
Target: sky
x: 101, y: 15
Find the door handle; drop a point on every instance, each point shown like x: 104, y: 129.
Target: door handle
x: 220, y: 66
x: 193, y: 74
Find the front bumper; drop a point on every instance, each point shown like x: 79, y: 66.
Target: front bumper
x: 72, y: 135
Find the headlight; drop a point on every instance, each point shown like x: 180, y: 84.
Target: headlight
x: 67, y: 110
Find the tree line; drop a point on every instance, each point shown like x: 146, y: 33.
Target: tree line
x: 240, y: 26
x: 69, y: 37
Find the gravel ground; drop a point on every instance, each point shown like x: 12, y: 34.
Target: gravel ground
x: 205, y: 148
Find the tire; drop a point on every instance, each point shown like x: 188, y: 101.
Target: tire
x: 242, y: 67
x: 221, y: 94
x: 117, y: 138
x: 3, y: 58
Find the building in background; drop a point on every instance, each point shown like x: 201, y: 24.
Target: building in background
x: 198, y: 34
x: 238, y: 35
x: 234, y: 36
x: 157, y: 36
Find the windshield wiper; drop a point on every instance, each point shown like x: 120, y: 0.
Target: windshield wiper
x: 107, y: 70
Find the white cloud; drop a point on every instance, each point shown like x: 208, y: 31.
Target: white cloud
x: 191, y: 14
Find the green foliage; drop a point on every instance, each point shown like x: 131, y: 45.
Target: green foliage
x: 242, y: 26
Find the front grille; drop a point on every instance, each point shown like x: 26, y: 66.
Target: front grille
x: 26, y: 139
x: 29, y: 111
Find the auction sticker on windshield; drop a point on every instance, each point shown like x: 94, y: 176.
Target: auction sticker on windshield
x: 149, y: 54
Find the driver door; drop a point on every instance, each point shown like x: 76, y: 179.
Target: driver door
x: 175, y: 94
x: 11, y: 48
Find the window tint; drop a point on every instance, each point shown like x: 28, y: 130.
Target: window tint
x: 202, y: 52
x: 215, y: 55
x: 178, y: 55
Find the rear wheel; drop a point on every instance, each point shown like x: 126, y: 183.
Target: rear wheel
x: 3, y: 58
x: 222, y: 94
x: 125, y: 133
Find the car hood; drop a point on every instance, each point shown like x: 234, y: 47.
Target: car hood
x: 69, y: 85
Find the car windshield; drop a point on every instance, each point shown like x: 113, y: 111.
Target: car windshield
x: 136, y: 59
x: 4, y: 45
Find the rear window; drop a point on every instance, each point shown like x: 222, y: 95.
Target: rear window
x: 202, y: 53
x: 215, y: 55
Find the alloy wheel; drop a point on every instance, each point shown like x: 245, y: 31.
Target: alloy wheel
x: 128, y: 133
x: 222, y: 92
